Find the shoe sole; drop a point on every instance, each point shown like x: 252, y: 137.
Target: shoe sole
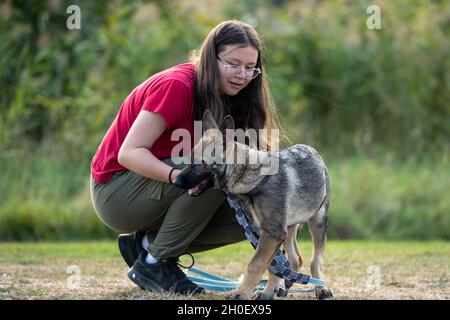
x: 155, y: 287
x: 145, y: 284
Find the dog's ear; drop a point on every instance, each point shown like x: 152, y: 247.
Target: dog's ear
x: 208, y: 121
x: 227, y: 123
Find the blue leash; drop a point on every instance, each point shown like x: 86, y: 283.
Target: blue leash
x: 215, y: 283
x: 279, y: 266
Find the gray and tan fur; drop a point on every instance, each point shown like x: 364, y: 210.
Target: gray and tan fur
x: 279, y: 204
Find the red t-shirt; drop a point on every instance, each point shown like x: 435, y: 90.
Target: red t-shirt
x: 169, y: 93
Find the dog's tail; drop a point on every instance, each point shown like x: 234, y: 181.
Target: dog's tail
x: 326, y: 202
x: 327, y: 190
x: 325, y: 205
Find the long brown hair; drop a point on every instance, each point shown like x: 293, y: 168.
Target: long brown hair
x: 252, y: 107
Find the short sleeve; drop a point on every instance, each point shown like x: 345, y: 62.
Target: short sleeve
x: 170, y: 99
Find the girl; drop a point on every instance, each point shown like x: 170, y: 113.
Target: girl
x: 132, y: 172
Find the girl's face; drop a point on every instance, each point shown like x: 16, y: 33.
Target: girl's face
x: 232, y: 79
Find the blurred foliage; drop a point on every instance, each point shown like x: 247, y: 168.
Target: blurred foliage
x: 45, y: 196
x: 330, y: 75
x: 349, y: 91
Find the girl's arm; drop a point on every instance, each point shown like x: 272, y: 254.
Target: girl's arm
x: 134, y: 154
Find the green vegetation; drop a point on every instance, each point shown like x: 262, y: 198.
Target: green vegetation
x: 374, y: 102
x: 371, y: 199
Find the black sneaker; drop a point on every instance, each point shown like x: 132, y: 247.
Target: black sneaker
x: 130, y: 246
x: 163, y: 276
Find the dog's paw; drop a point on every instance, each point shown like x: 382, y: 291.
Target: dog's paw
x: 236, y: 295
x: 261, y: 295
x: 282, y: 293
x: 323, y: 293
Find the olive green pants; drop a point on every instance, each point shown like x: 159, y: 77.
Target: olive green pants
x: 176, y: 222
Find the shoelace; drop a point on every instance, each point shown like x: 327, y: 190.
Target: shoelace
x: 172, y: 265
x: 192, y: 264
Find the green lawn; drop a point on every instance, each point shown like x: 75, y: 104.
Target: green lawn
x: 407, y: 270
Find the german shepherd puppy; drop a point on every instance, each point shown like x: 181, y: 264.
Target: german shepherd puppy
x: 278, y: 204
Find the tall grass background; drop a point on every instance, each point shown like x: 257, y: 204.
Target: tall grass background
x: 45, y: 196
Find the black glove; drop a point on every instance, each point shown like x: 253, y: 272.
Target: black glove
x: 201, y: 187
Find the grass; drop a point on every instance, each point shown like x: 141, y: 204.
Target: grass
x: 408, y: 270
x: 384, y: 198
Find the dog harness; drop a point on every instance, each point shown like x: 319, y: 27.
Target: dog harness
x: 280, y: 265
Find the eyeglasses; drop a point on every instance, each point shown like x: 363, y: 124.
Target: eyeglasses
x: 249, y: 73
